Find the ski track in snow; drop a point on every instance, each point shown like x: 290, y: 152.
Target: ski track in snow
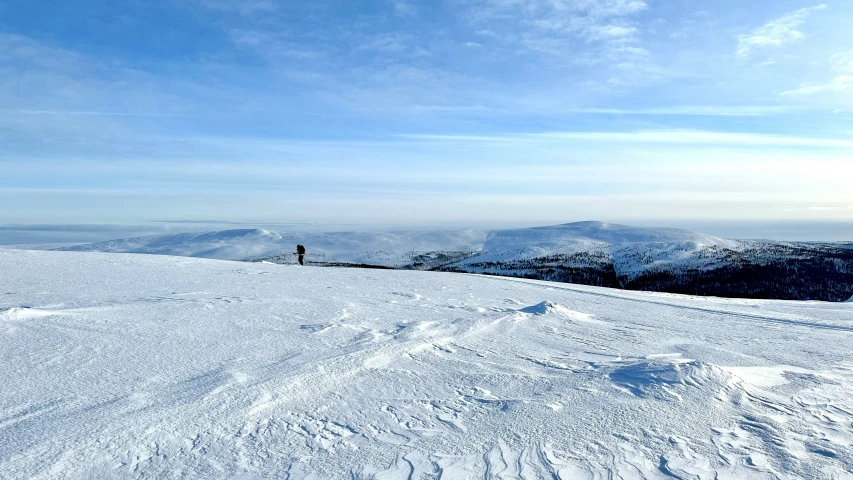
x: 130, y: 366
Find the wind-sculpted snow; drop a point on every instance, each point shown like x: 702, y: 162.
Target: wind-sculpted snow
x: 132, y: 366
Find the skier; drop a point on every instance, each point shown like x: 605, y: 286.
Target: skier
x: 300, y: 250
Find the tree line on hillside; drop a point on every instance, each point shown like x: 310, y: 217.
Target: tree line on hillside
x: 762, y: 271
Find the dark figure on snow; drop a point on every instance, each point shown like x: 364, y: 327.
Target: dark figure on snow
x: 300, y: 250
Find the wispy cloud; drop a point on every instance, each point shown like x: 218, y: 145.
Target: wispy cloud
x: 683, y: 137
x: 553, y: 26
x: 276, y: 46
x: 97, y: 113
x: 403, y: 8
x: 777, y: 32
x: 842, y: 62
x: 41, y: 78
x: 838, y: 84
x: 700, y: 110
x: 841, y: 65
x: 243, y: 7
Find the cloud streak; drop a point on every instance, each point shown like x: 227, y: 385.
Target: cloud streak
x: 776, y: 33
x: 604, y: 34
x: 681, y: 137
x: 700, y: 110
x: 841, y: 65
x: 840, y: 83
x: 97, y: 113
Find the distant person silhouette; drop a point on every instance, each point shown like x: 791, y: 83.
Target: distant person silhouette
x: 300, y: 250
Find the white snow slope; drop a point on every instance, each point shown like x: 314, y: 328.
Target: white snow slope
x: 135, y: 366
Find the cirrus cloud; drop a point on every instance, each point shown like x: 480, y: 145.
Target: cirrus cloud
x: 776, y: 33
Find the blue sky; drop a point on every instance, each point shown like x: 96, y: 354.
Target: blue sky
x: 480, y: 112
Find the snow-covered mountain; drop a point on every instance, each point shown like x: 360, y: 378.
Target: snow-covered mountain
x: 134, y: 366
x: 560, y: 237
x: 429, y: 247
x: 632, y: 249
x: 389, y: 249
x: 592, y: 253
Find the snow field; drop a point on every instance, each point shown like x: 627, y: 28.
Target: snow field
x: 131, y: 366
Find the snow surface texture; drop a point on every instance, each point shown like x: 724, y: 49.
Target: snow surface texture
x: 131, y: 366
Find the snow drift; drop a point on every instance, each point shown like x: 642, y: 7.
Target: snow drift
x: 131, y: 366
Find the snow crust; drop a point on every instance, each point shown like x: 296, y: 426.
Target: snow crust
x: 131, y: 366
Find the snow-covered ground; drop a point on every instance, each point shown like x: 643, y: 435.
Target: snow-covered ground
x: 131, y: 366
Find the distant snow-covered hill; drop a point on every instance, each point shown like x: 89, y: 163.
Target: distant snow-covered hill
x: 389, y: 249
x: 592, y: 253
x: 631, y: 249
x: 132, y: 366
x: 397, y: 249
x: 667, y: 260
